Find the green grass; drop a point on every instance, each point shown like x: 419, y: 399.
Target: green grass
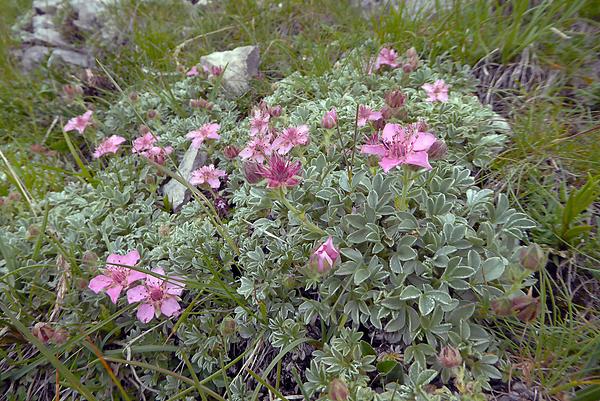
x: 554, y: 147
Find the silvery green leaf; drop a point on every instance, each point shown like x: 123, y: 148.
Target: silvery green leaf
x: 361, y: 275
x: 358, y: 236
x: 405, y: 253
x: 409, y: 292
x: 492, y: 268
x: 397, y: 323
x: 395, y: 264
x: 426, y: 304
x: 352, y: 254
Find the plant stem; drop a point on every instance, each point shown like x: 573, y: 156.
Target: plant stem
x: 299, y: 215
x: 406, y: 181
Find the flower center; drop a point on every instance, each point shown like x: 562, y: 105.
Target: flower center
x: 156, y: 294
x: 118, y: 276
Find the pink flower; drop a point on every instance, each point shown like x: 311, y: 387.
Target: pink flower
x: 438, y: 91
x: 257, y: 149
x: 79, y: 123
x: 290, y: 137
x: 116, y: 278
x: 157, y: 154
x: 259, y: 122
x: 401, y: 146
x: 109, y: 145
x: 386, y: 57
x: 207, y: 175
x: 213, y: 70
x: 157, y: 296
x: 207, y: 131
x: 366, y: 114
x: 280, y: 172
x: 193, y: 72
x: 144, y: 142
x: 325, y: 256
x: 329, y: 119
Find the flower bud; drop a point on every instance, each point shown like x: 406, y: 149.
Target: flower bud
x: 412, y: 53
x: 134, y: 97
x: 275, y: 111
x: 324, y: 258
x: 252, y: 172
x: 143, y: 129
x: 13, y: 197
x: 152, y: 114
x: 46, y: 334
x: 532, y: 258
x: 438, y: 150
x: 180, y: 69
x: 395, y: 99
x: 449, y: 357
x: 89, y: 258
x: 228, y: 326
x: 230, y: 152
x: 221, y: 206
x: 82, y: 283
x: 526, y: 307
x: 502, y: 307
x: 33, y: 231
x: 329, y: 119
x: 338, y: 391
x: 72, y: 91
x: 164, y: 230
x: 407, y: 68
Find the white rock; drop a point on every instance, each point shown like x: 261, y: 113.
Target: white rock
x: 71, y: 57
x: 33, y: 56
x: 176, y: 192
x: 46, y: 6
x: 240, y: 64
x: 49, y: 36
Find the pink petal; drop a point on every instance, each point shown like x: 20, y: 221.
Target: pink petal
x: 388, y: 163
x: 393, y: 132
x: 423, y: 141
x: 131, y: 258
x: 114, y: 292
x: 134, y: 276
x: 428, y: 87
x: 136, y: 294
x: 145, y: 312
x: 378, y: 150
x: 99, y: 283
x: 214, y: 182
x: 154, y: 281
x: 169, y: 307
x: 175, y: 286
x: 419, y: 159
x: 443, y: 97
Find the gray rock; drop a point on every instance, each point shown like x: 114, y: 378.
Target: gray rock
x: 176, y: 192
x: 42, y: 22
x: 88, y: 13
x: 33, y: 56
x: 240, y: 64
x: 71, y: 57
x: 50, y: 37
x: 46, y: 6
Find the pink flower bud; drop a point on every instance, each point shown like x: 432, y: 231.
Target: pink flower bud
x: 532, y: 258
x: 275, y: 111
x: 395, y: 99
x: 449, y: 357
x: 46, y: 334
x: 338, y: 391
x: 230, y: 152
x: 13, y: 197
x: 438, y: 150
x: 502, y: 307
x: 526, y: 307
x: 152, y: 114
x: 325, y: 256
x: 252, y: 172
x: 89, y: 258
x: 143, y: 129
x: 329, y: 119
x: 134, y: 97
